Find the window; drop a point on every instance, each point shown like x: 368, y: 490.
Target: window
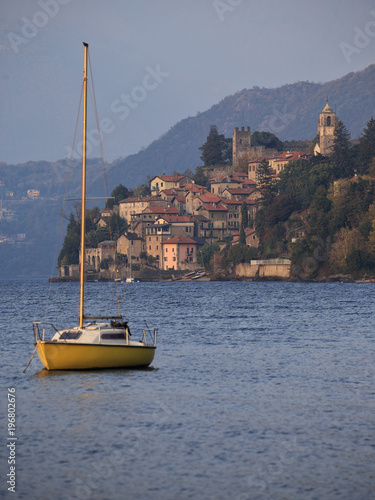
x: 149, y: 238
x: 112, y: 336
x: 149, y: 247
x: 74, y: 335
x: 328, y: 120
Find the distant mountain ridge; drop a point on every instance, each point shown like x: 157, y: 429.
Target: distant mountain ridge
x: 290, y: 112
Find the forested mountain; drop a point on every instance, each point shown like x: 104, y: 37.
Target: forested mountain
x: 290, y: 112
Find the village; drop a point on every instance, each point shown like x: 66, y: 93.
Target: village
x: 170, y: 226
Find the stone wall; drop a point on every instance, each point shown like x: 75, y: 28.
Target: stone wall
x: 272, y: 268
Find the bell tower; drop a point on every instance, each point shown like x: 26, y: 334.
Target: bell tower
x: 241, y: 147
x: 326, y: 131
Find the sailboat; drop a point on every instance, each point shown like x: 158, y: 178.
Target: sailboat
x: 97, y: 341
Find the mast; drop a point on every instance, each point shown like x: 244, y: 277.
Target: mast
x: 83, y: 209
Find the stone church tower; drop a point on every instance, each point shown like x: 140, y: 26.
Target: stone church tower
x: 241, y: 148
x: 326, y: 131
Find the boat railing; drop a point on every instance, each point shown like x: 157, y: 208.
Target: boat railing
x: 40, y: 335
x: 151, y: 333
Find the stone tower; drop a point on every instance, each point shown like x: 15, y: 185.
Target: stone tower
x: 326, y: 131
x: 241, y: 148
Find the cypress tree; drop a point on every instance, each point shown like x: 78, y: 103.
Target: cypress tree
x: 244, y: 216
x: 341, y: 156
x: 367, y: 146
x: 266, y: 183
x: 217, y: 149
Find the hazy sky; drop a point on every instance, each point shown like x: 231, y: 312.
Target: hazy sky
x: 157, y: 62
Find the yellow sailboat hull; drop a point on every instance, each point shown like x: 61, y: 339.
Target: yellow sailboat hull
x: 76, y: 356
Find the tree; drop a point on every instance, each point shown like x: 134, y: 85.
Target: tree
x: 240, y: 253
x: 217, y: 150
x: 117, y: 226
x: 266, y: 139
x: 244, y: 215
x: 266, y: 183
x: 367, y: 146
x: 242, y: 239
x: 280, y: 209
x: 318, y: 214
x: 347, y: 251
x: 199, y: 177
x: 142, y: 190
x: 204, y: 255
x: 69, y: 253
x: 341, y: 156
x: 118, y: 194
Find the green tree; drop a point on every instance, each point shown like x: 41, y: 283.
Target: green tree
x: 266, y: 183
x: 118, y: 194
x: 244, y: 215
x: 266, y: 139
x: 318, y: 217
x: 205, y: 253
x: 242, y: 239
x: 217, y: 150
x: 367, y: 146
x: 341, y: 156
x: 117, y: 226
x: 199, y: 177
x: 280, y: 209
x: 69, y: 253
x: 239, y: 253
x: 142, y: 190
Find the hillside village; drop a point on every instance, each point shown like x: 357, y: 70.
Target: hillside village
x: 168, y: 228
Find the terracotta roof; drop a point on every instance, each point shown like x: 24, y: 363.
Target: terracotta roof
x: 181, y: 199
x: 213, y: 208
x: 201, y: 218
x: 171, y: 191
x: 194, y: 187
x: 209, y: 197
x: 180, y: 240
x: 232, y: 202
x: 249, y: 182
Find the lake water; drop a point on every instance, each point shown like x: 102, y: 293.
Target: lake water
x: 257, y: 391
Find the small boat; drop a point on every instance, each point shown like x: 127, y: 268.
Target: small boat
x: 98, y: 341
